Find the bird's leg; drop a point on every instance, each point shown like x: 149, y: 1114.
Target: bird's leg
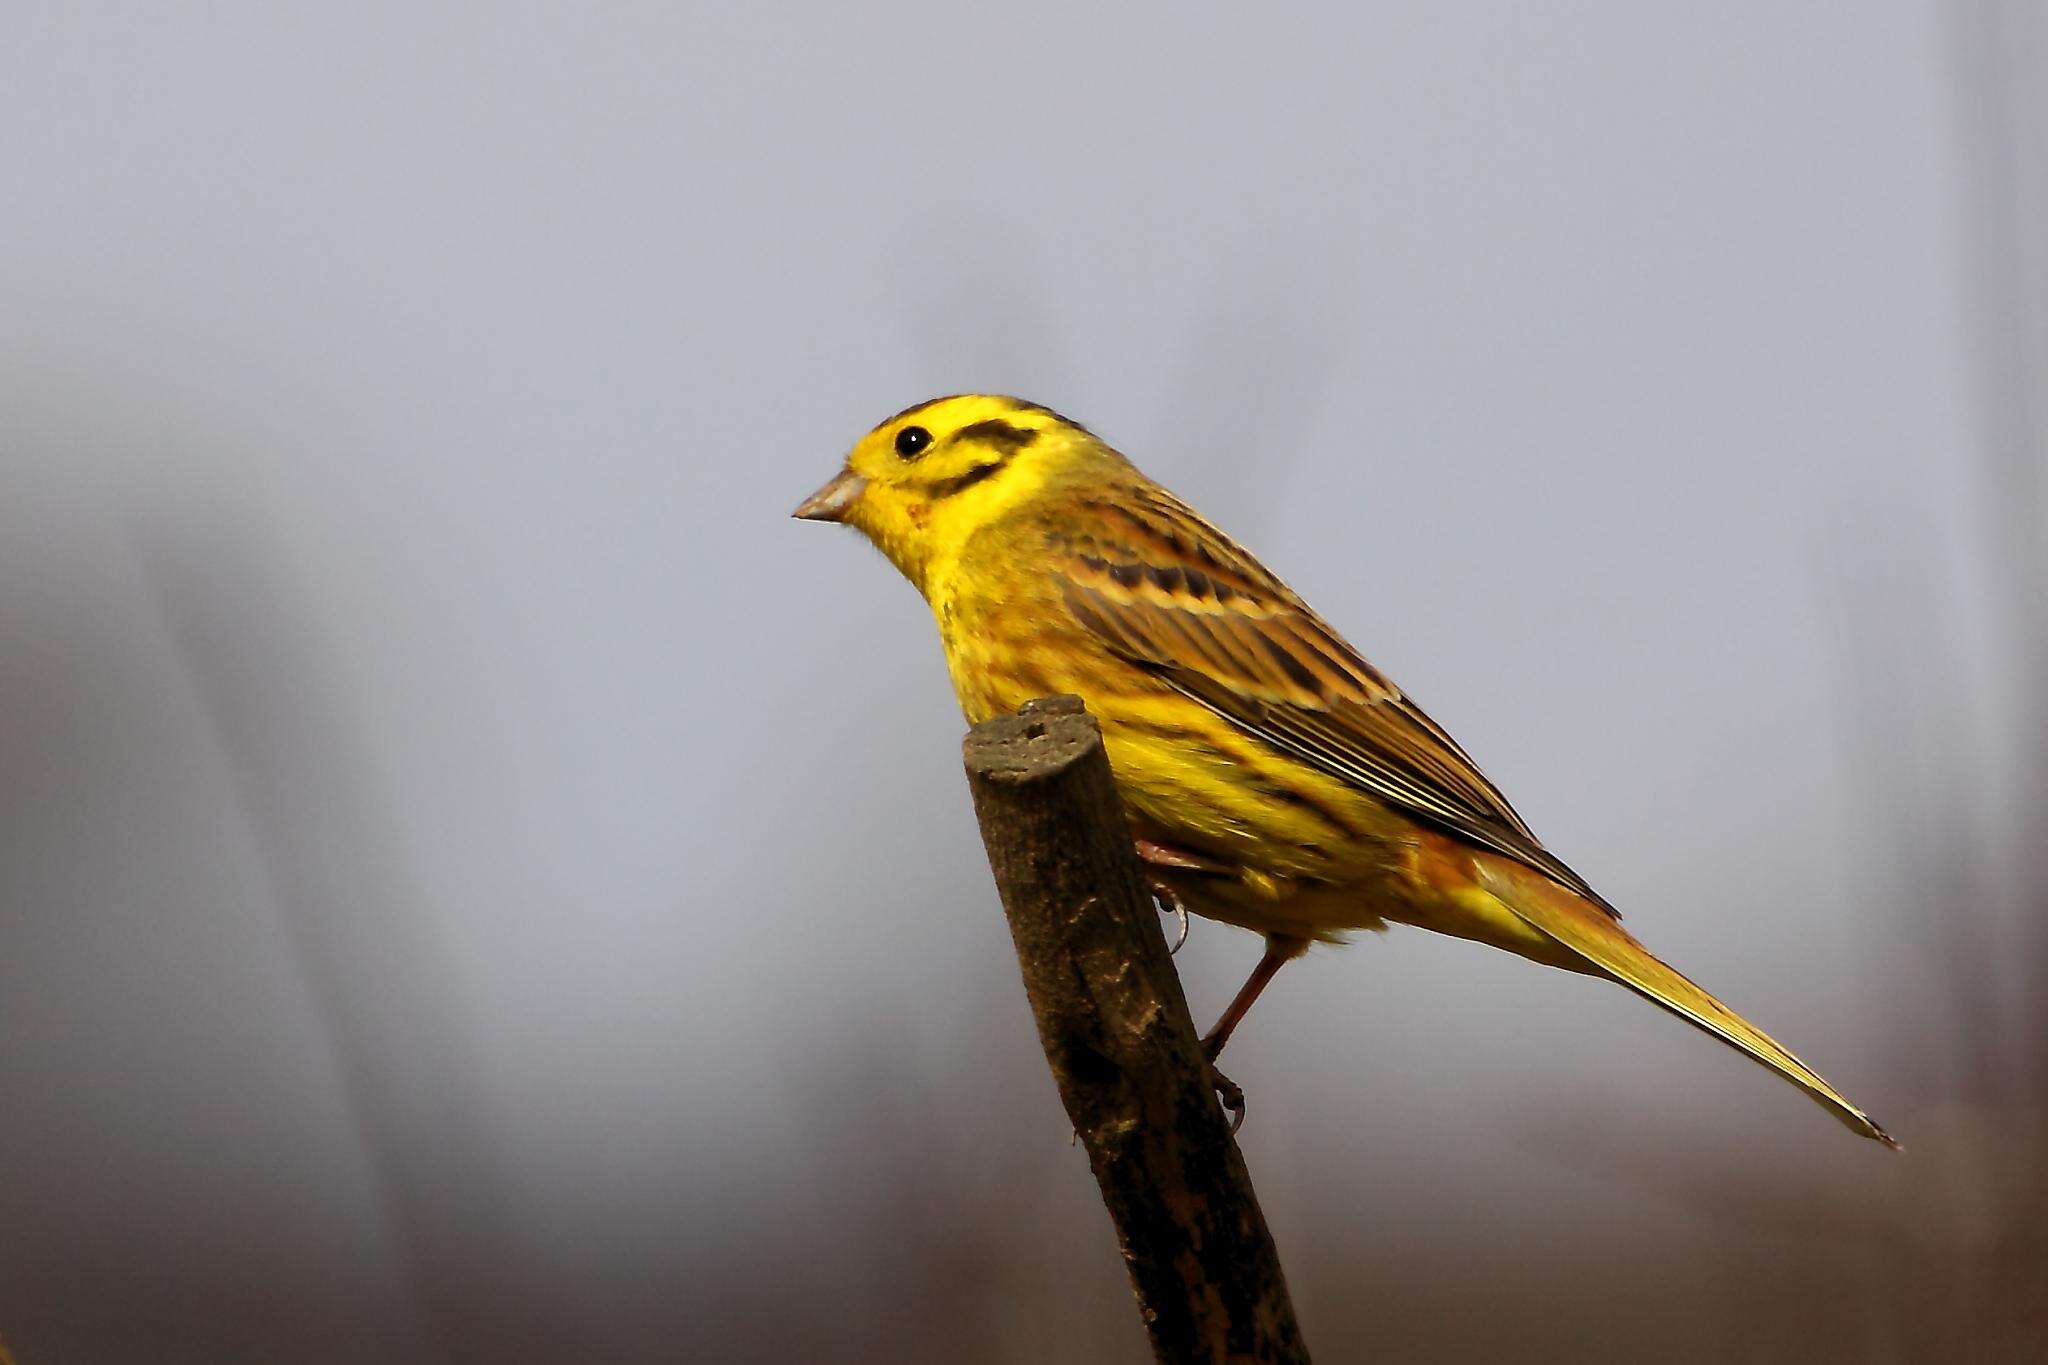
x: 1165, y: 855
x: 1280, y: 950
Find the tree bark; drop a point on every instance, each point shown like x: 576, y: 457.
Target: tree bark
x: 1120, y: 1043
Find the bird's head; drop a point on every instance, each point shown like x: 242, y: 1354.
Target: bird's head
x: 928, y: 478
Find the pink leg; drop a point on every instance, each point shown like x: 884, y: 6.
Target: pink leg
x: 1280, y: 950
x: 1165, y: 855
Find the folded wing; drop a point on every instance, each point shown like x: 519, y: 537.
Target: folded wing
x: 1170, y: 593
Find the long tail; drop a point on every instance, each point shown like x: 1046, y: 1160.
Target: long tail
x: 1590, y: 933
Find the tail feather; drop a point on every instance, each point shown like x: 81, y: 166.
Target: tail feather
x: 1589, y: 932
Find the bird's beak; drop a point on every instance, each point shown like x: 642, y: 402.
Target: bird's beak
x: 834, y: 500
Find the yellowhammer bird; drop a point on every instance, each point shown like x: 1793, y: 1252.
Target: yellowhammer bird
x: 1273, y: 778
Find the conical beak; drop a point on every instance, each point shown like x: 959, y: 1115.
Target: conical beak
x: 834, y: 500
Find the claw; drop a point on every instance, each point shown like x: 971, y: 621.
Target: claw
x: 1163, y: 895
x: 1231, y: 1096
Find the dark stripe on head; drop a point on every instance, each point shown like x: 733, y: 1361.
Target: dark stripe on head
x: 1025, y: 405
x: 1005, y: 436
x: 946, y: 488
x: 1016, y: 405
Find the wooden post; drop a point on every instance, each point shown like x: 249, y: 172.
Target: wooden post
x: 1122, y: 1048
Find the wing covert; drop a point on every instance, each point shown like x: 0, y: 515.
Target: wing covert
x: 1171, y: 594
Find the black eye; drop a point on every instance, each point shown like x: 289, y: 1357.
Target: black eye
x: 911, y: 442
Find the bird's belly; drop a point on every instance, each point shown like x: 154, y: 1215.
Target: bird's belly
x: 1306, y: 853
x: 1430, y: 885
x: 1312, y: 910
x: 1290, y: 851
x: 1203, y: 785
x: 1296, y: 851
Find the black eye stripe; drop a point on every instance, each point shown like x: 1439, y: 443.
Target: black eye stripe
x: 912, y: 442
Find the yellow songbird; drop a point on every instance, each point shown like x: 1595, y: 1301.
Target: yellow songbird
x: 1273, y: 778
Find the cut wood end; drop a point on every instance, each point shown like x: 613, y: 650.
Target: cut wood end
x: 1045, y: 737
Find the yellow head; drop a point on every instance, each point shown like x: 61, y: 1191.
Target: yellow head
x: 924, y: 481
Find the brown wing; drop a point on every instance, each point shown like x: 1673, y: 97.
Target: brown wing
x: 1170, y: 593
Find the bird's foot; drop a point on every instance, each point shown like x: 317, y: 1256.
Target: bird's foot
x: 1153, y: 854
x: 1230, y: 1095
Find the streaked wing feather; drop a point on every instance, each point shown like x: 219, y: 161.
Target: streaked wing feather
x: 1168, y: 592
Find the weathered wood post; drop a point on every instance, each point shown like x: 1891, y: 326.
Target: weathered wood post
x: 1121, y: 1045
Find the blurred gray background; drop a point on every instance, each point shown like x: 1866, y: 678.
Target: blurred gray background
x: 477, y: 883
